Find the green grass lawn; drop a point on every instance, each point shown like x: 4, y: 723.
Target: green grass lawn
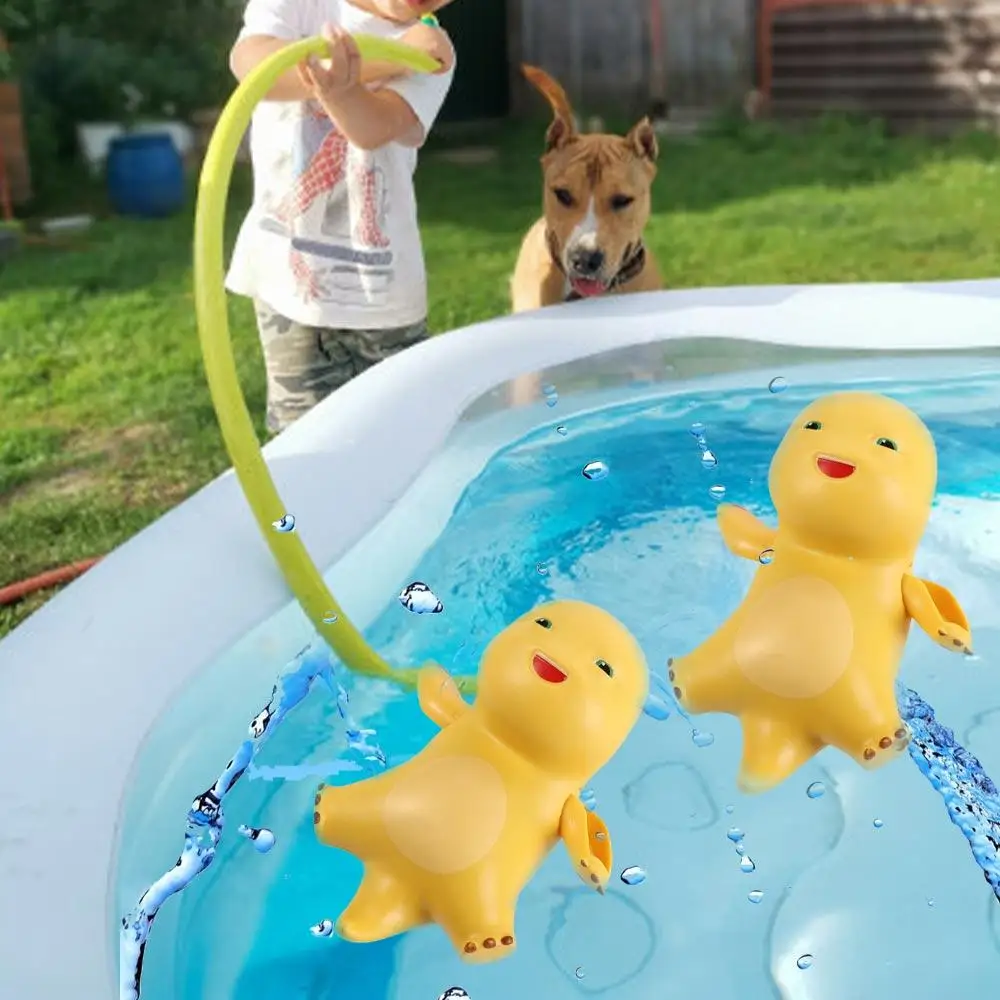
x: 107, y: 421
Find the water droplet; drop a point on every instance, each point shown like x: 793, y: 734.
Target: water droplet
x: 580, y: 973
x: 730, y: 809
x: 878, y: 824
x: 262, y: 839
x: 741, y: 848
x: 561, y: 430
x: 595, y: 470
x: 804, y: 961
x: 551, y: 399
x: 323, y: 929
x: 755, y: 895
x: 697, y: 430
x: 658, y: 701
x: 708, y: 460
x: 633, y: 875
x: 930, y: 902
x: 777, y: 385
x: 454, y: 993
x: 717, y: 493
x: 541, y: 569
x: 330, y: 618
x: 766, y: 557
x: 420, y: 599
x: 816, y: 790
x: 701, y: 739
x: 549, y: 390
x: 600, y: 835
x: 589, y: 799
x: 746, y: 864
x: 284, y: 524
x: 735, y: 834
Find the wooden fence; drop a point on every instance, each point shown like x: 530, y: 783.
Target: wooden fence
x: 622, y: 55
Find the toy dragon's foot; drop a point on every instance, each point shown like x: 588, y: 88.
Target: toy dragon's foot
x: 878, y: 750
x: 488, y: 945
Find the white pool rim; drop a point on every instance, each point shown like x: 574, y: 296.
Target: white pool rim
x: 120, y: 642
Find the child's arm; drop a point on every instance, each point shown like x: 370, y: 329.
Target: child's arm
x: 370, y: 119
x: 252, y: 49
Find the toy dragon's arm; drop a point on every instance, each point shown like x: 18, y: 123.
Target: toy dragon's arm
x: 935, y: 609
x: 439, y: 697
x: 745, y: 535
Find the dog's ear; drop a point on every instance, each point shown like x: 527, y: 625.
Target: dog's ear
x: 558, y: 134
x: 563, y: 127
x: 642, y: 139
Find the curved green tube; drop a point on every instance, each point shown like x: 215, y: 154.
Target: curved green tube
x: 300, y: 572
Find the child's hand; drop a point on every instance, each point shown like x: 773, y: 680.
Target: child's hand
x: 432, y: 41
x: 342, y: 73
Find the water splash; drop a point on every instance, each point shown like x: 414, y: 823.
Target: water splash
x: 205, y: 819
x: 659, y: 699
x: 970, y: 795
x: 262, y: 839
x: 323, y: 929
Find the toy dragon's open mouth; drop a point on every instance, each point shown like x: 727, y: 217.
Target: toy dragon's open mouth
x: 547, y: 670
x: 834, y: 468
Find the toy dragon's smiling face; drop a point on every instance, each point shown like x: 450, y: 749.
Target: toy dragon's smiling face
x: 855, y: 474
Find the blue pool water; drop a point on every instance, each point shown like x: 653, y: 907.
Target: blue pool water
x: 837, y: 884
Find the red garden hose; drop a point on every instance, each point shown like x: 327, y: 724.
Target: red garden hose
x: 15, y: 592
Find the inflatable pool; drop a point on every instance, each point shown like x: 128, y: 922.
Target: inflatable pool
x: 125, y: 697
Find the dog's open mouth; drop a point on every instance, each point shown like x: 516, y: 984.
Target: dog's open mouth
x: 587, y: 288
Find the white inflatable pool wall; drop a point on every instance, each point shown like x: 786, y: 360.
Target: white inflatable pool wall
x: 119, y: 643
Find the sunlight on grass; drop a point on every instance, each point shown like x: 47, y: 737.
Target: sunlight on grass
x: 107, y: 417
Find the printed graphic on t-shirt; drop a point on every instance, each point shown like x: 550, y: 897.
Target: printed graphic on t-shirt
x: 338, y: 194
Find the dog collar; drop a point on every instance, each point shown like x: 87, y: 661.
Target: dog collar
x: 632, y: 265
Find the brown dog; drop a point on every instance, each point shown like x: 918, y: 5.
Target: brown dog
x: 596, y: 206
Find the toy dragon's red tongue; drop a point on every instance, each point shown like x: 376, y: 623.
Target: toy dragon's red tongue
x: 834, y: 467
x: 547, y: 670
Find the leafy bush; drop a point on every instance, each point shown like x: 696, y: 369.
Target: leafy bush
x: 85, y: 61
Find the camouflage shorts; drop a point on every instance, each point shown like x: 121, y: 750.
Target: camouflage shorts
x: 306, y: 363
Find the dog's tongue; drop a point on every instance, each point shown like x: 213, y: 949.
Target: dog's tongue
x: 587, y: 288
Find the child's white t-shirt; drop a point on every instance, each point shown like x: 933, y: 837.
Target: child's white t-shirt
x: 332, y: 238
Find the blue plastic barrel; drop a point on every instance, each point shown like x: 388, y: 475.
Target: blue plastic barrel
x: 145, y: 175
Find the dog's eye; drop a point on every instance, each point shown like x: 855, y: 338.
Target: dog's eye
x: 812, y: 425
x: 605, y: 666
x: 887, y: 443
x: 563, y: 196
x: 544, y: 622
x: 620, y: 201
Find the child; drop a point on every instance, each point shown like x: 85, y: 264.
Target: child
x: 330, y: 251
